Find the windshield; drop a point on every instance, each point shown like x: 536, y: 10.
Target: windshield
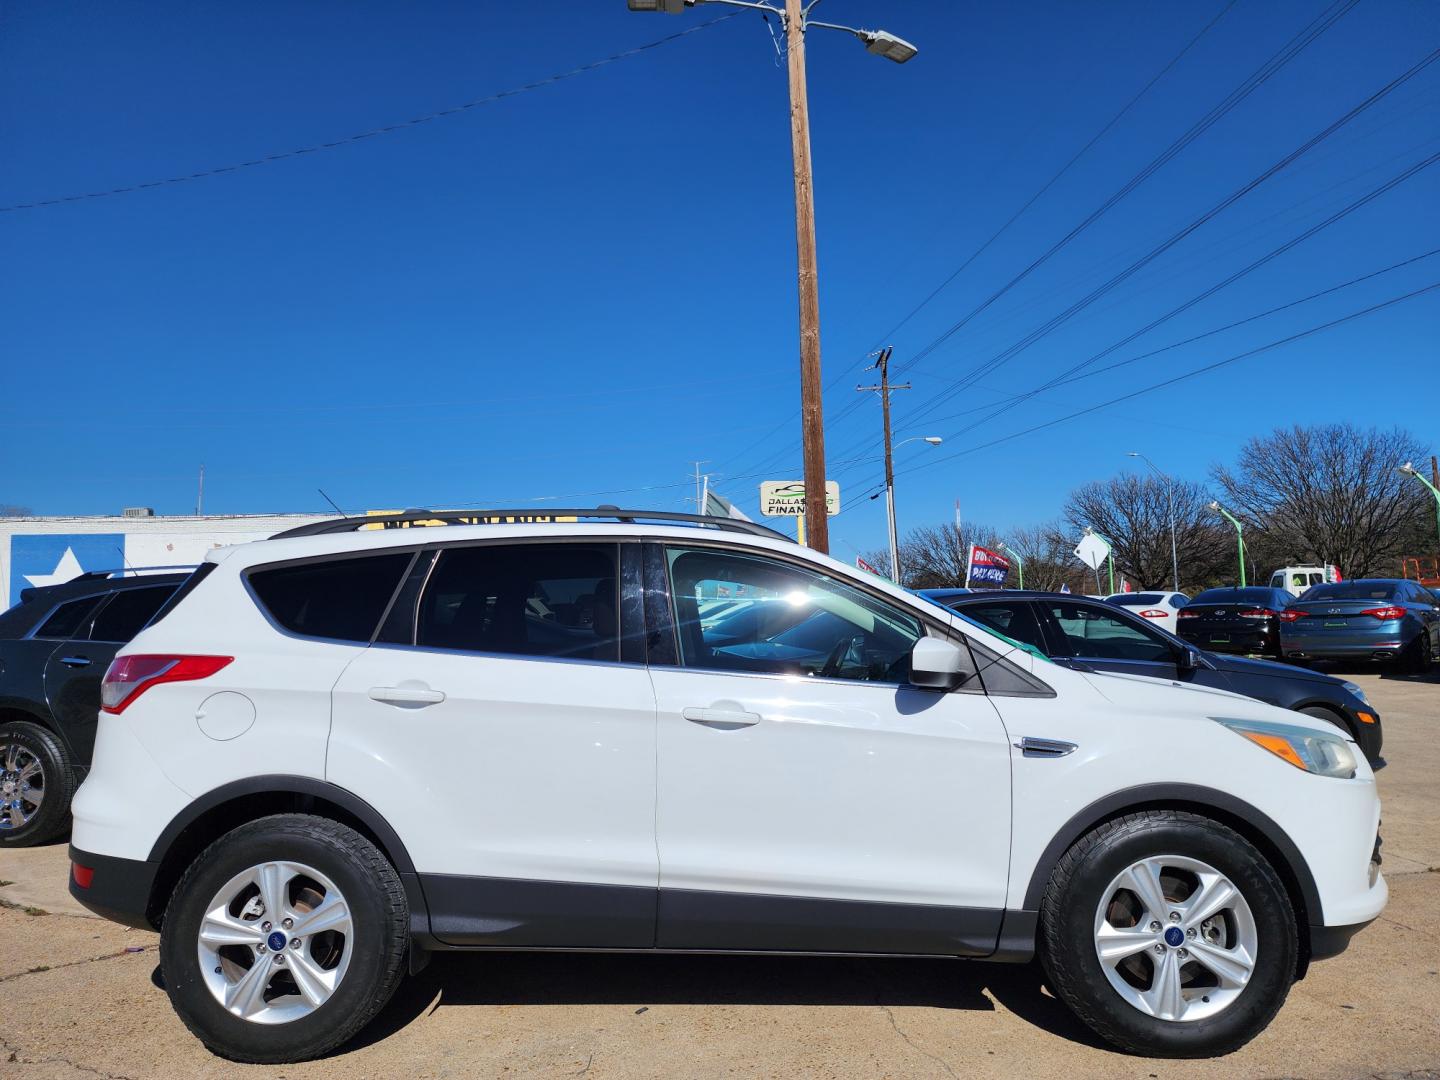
x: 1352, y: 590
x: 1022, y: 646
x: 1239, y: 596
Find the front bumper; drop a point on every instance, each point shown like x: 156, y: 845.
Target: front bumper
x: 118, y: 889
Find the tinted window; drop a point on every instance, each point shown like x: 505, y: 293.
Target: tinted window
x: 67, y: 619
x: 1257, y: 596
x: 798, y: 622
x: 557, y: 600
x: 127, y: 613
x: 1352, y: 590
x: 1277, y: 580
x: 1138, y: 599
x: 1095, y: 633
x: 1016, y: 620
x: 341, y: 599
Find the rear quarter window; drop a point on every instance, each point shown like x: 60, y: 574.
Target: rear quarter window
x: 341, y: 599
x: 127, y: 613
x: 69, y: 619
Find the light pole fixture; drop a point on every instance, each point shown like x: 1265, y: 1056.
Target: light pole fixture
x: 1239, y: 535
x: 793, y: 16
x: 1019, y: 562
x: 1170, y: 492
x: 933, y: 440
x: 1409, y: 470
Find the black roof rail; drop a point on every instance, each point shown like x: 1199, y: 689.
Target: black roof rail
x: 498, y: 517
x: 93, y: 575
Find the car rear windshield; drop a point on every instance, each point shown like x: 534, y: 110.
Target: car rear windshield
x: 1138, y: 599
x: 340, y: 599
x: 1352, y: 590
x: 1240, y: 596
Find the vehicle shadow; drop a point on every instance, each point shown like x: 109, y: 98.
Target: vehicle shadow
x: 645, y: 980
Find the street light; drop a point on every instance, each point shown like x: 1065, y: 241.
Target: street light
x: 792, y: 17
x: 1409, y: 470
x: 1239, y: 535
x: 1170, y: 492
x: 933, y: 440
x: 1019, y: 562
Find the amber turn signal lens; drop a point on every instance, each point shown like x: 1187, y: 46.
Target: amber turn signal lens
x: 1278, y: 746
x: 1366, y: 718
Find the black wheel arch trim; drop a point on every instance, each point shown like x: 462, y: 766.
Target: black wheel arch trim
x: 1186, y: 796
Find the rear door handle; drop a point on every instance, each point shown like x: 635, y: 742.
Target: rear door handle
x: 1045, y: 748
x: 721, y: 719
x: 75, y: 661
x: 415, y: 697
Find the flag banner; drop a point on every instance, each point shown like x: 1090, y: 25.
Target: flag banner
x: 719, y: 506
x: 987, y: 567
x: 863, y: 565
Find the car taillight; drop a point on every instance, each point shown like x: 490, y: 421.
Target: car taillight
x: 1258, y: 613
x: 1383, y: 613
x: 1291, y: 616
x: 130, y: 676
x: 1187, y: 615
x: 1153, y: 613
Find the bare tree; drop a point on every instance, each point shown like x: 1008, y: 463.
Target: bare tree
x: 1328, y: 494
x: 11, y: 510
x: 1133, y: 512
x: 933, y: 556
x: 1049, y: 558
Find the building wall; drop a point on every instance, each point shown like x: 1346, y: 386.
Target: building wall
x: 47, y: 551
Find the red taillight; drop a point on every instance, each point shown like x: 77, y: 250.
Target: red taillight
x: 1291, y: 616
x: 1258, y: 613
x: 130, y: 676
x: 84, y: 875
x: 1187, y: 615
x: 1384, y: 613
x: 1153, y: 613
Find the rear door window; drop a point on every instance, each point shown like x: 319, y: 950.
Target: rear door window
x: 1015, y: 619
x: 557, y: 600
x: 340, y: 599
x: 128, y: 612
x: 1090, y: 632
x: 69, y: 619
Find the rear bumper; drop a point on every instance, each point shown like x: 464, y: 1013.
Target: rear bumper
x: 119, y: 889
x: 1259, y: 642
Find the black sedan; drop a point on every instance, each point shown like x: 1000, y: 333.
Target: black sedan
x: 1093, y: 635
x: 1236, y: 620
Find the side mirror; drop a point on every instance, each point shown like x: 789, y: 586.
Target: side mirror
x: 1189, y: 659
x: 937, y: 664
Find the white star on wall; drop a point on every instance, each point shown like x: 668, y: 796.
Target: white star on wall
x: 67, y: 569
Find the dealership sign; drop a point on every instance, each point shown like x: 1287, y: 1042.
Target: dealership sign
x: 986, y: 567
x: 786, y: 498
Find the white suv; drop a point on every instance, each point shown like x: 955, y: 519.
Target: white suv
x: 341, y: 749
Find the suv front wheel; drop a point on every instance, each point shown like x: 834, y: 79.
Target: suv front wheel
x: 283, y: 939
x: 1169, y: 934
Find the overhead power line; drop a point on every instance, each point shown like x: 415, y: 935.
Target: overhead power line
x: 372, y: 133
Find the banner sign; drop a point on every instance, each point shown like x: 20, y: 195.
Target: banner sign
x: 987, y: 567
x: 786, y: 498
x: 863, y: 565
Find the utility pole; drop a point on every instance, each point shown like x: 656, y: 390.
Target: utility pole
x: 812, y: 420
x: 702, y: 483
x: 200, y: 495
x: 883, y: 363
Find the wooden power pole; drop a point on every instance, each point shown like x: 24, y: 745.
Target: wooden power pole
x: 883, y: 363
x: 812, y: 422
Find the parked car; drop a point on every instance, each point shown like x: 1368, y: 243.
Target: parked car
x: 1093, y: 635
x: 1389, y: 620
x: 1234, y: 620
x: 1296, y: 579
x: 341, y: 747
x: 54, y: 646
x: 1159, y: 608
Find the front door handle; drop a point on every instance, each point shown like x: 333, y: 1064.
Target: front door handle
x: 1045, y: 748
x: 75, y: 661
x: 411, y: 697
x: 721, y: 719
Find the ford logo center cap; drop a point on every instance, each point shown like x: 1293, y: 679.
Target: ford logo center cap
x: 277, y: 941
x: 1174, y: 937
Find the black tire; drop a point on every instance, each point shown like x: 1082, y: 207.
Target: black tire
x: 1067, y: 933
x: 1417, y: 658
x: 51, y: 819
x: 376, y: 898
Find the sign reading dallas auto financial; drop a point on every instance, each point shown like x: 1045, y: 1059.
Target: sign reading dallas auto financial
x: 786, y: 498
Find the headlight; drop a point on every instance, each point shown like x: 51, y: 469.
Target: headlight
x: 1312, y: 751
x: 1355, y: 689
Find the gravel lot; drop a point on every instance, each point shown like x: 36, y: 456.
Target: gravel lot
x: 81, y: 997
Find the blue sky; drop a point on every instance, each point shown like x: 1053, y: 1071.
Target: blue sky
x: 572, y: 294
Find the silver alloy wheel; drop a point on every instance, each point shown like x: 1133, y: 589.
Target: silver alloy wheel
x: 22, y: 786
x: 1176, y: 938
x: 275, y: 942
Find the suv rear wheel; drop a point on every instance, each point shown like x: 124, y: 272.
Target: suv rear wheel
x: 1169, y: 934
x: 36, y: 784
x: 283, y: 939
